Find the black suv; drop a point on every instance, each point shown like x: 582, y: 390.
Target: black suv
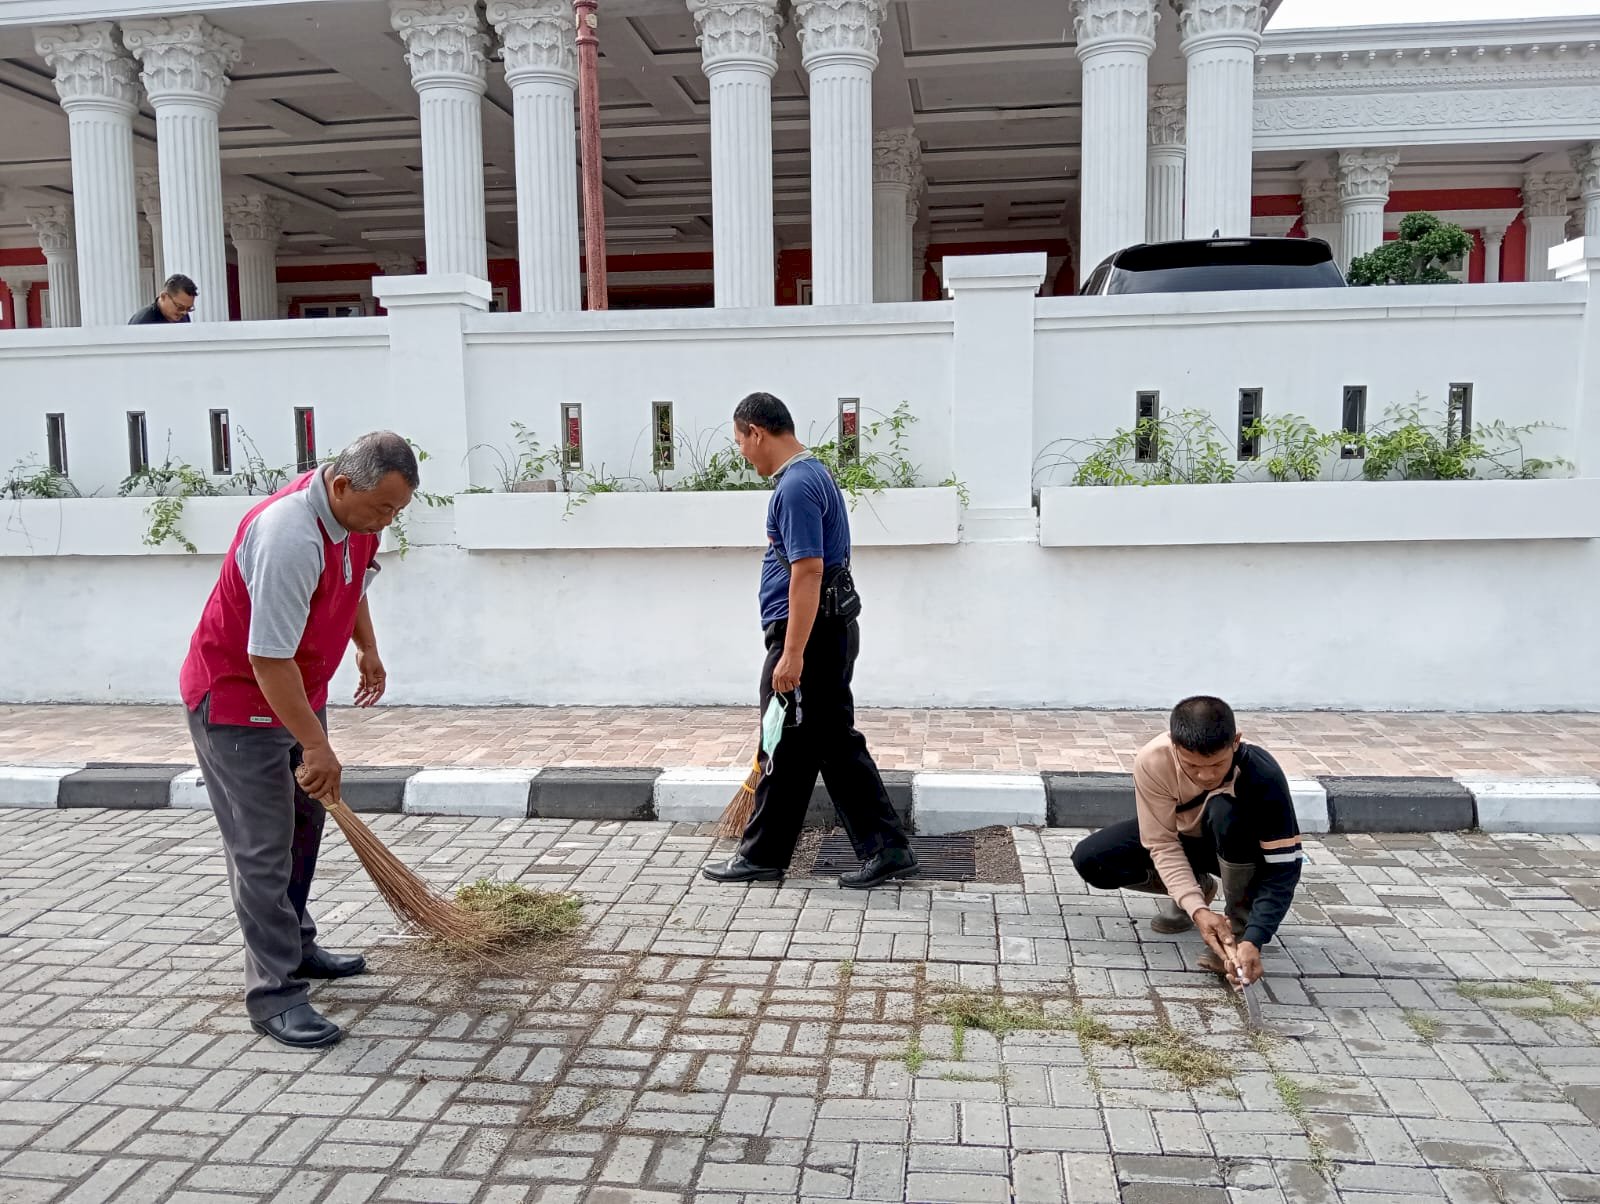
x: 1212, y: 265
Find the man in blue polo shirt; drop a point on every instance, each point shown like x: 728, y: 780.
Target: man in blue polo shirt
x: 808, y: 615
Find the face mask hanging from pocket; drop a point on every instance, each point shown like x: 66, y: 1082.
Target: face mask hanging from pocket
x: 772, y: 724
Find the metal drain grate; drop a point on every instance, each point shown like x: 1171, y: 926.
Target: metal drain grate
x: 945, y: 858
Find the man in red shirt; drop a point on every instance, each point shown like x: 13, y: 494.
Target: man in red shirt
x: 291, y: 596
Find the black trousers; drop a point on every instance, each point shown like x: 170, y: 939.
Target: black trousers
x: 825, y: 740
x: 1113, y: 857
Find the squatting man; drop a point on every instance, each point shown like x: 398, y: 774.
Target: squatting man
x: 1208, y: 806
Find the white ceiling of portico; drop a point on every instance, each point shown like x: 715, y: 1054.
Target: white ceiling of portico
x: 322, y: 113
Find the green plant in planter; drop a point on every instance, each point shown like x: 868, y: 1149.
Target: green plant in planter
x: 257, y: 476
x: 1182, y: 448
x: 526, y: 460
x: 1418, y: 256
x: 1413, y: 445
x: 1290, y: 448
x: 30, y: 479
x: 170, y: 484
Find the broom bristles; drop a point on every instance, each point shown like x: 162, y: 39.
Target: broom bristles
x: 411, y: 899
x: 736, y: 815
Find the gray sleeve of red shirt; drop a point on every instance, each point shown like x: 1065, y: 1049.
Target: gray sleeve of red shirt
x: 280, y: 559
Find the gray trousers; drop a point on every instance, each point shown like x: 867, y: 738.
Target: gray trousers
x: 271, y: 831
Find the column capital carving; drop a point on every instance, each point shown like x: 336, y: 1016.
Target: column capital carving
x: 444, y: 40
x: 1586, y: 162
x: 737, y: 33
x: 182, y: 58
x: 1203, y: 24
x: 1544, y: 194
x: 92, y: 67
x: 255, y: 217
x: 1319, y: 202
x: 896, y: 156
x: 1114, y: 25
x: 1168, y: 115
x: 19, y: 280
x: 538, y: 39
x: 919, y: 185
x: 395, y: 263
x: 52, y: 226
x: 1364, y: 174
x: 147, y: 184
x: 843, y: 29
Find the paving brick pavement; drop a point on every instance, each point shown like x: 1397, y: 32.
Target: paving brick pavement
x: 721, y: 1044
x: 1309, y: 744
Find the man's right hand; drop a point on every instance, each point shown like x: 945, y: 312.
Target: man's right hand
x: 1217, y: 931
x: 319, y: 772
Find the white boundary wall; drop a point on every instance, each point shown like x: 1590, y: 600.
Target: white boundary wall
x: 1421, y: 595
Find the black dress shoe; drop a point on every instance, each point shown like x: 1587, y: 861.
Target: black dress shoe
x: 301, y: 1027
x: 737, y: 869
x: 887, y: 865
x: 322, y: 964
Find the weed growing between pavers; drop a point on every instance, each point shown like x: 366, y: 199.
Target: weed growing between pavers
x: 914, y: 1056
x: 1573, y: 1001
x: 1294, y: 1104
x: 1425, y: 1026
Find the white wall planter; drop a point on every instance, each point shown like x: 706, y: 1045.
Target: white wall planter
x: 114, y: 526
x: 1318, y: 512
x: 533, y: 521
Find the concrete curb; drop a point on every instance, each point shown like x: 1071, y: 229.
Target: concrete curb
x: 934, y: 802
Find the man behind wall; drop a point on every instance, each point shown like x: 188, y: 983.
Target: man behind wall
x: 1207, y: 804
x: 811, y: 656
x: 289, y: 600
x: 173, y: 304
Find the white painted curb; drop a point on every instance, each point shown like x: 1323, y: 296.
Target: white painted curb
x: 1310, y: 806
x: 188, y: 792
x: 942, y: 803
x: 696, y: 796
x: 32, y: 785
x: 1536, y: 805
x: 495, y: 793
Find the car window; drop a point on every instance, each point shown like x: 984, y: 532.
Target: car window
x: 1222, y: 277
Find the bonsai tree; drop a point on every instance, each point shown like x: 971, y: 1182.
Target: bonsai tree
x: 1418, y: 256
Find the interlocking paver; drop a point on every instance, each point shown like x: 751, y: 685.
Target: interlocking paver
x: 653, y: 1067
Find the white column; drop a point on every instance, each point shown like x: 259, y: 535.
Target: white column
x: 1115, y: 39
x: 95, y: 80
x: 54, y: 229
x: 147, y: 184
x: 1586, y: 162
x: 739, y: 55
x: 1164, y: 219
x: 1493, y: 241
x: 839, y: 43
x: 20, y: 287
x: 185, y: 63
x: 917, y: 239
x: 540, y: 50
x: 446, y: 51
x: 1321, y: 213
x: 896, y: 164
x: 1544, y: 209
x: 1219, y: 39
x: 256, y: 223
x: 1364, y: 177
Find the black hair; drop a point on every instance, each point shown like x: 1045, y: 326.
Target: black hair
x: 766, y: 411
x: 180, y: 284
x: 372, y: 457
x: 1203, y: 725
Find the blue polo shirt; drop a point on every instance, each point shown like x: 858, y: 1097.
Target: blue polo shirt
x: 806, y: 518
